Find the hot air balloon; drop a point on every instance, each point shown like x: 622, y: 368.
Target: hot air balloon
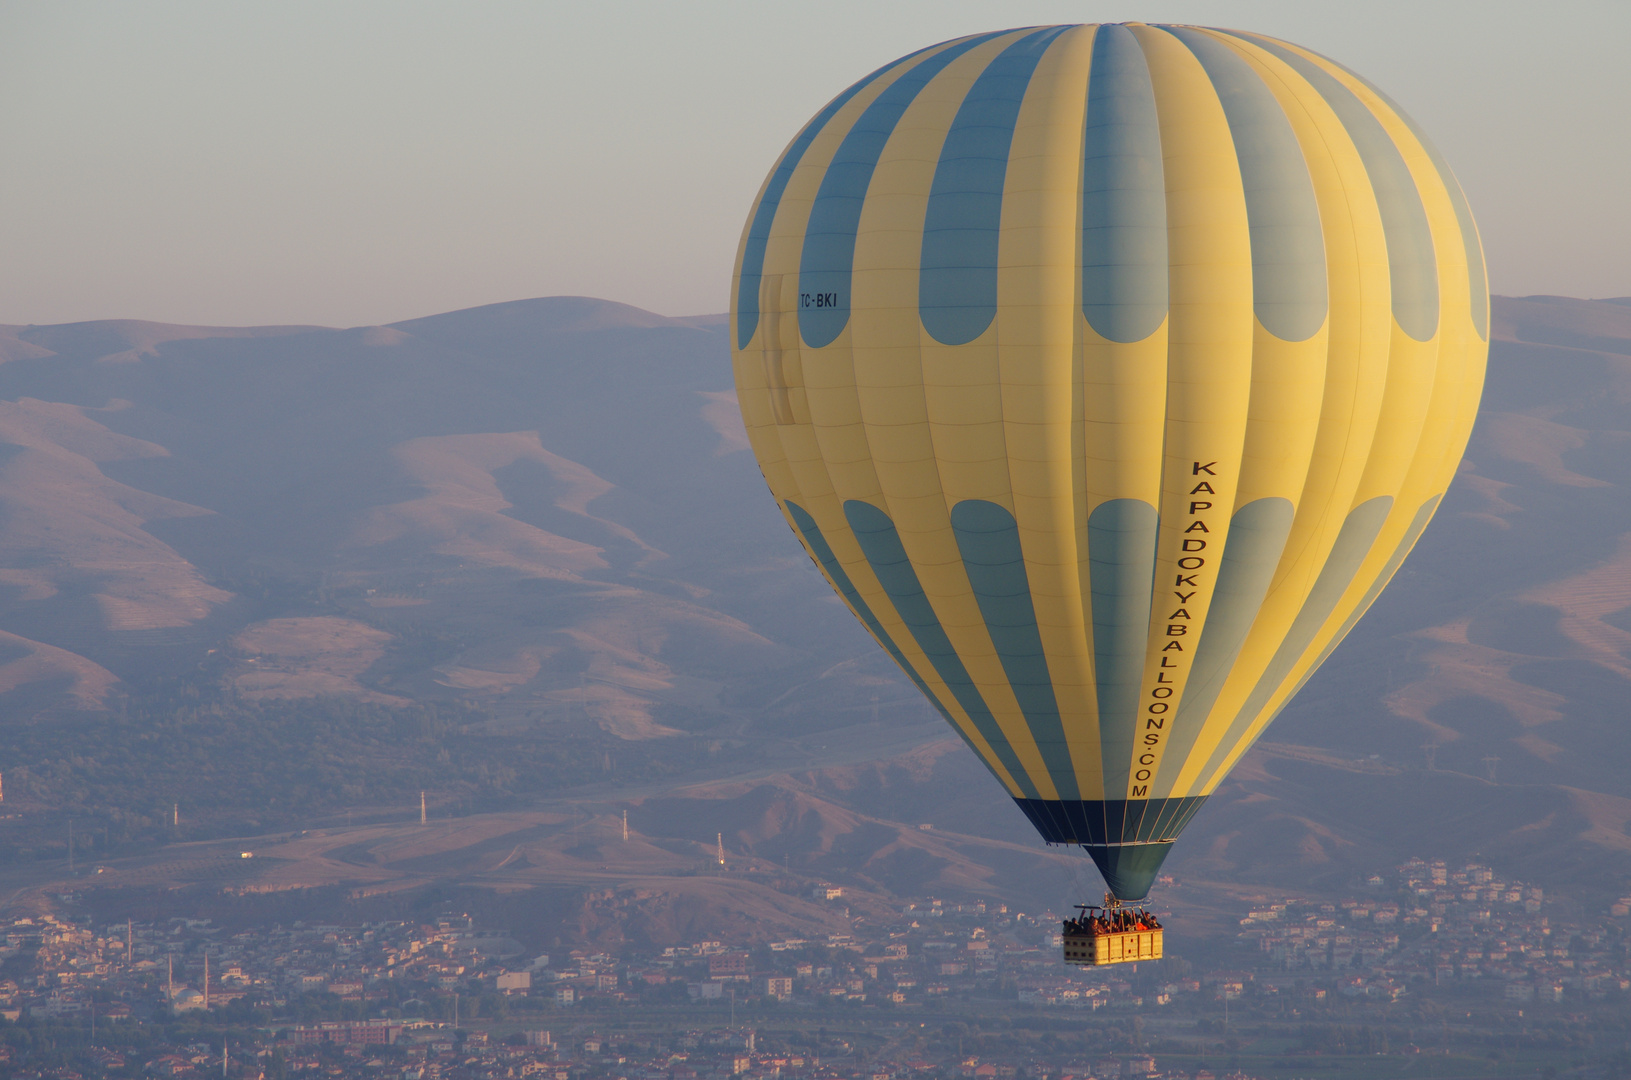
x: 1108, y: 373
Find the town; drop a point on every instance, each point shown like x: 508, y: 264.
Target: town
x: 1425, y: 959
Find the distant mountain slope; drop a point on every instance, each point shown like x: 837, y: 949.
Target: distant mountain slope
x: 168, y: 488
x: 545, y: 511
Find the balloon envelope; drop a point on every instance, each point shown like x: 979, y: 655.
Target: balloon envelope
x: 1108, y: 373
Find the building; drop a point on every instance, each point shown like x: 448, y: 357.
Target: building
x: 349, y: 1031
x: 513, y: 982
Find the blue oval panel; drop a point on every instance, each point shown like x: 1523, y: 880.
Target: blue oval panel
x: 1412, y: 264
x: 1288, y: 249
x: 957, y: 280
x: 764, y: 215
x: 1124, y: 195
x: 828, y: 256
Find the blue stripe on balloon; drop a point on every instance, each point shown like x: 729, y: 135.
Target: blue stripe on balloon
x: 764, y: 215
x: 1412, y: 533
x: 1412, y: 263
x: 816, y: 541
x: 828, y: 257
x: 1257, y: 538
x: 957, y: 279
x: 881, y: 545
x: 1288, y: 248
x: 1477, y: 277
x: 1353, y: 543
x: 1121, y: 536
x: 1424, y: 514
x: 1124, y: 196
x: 988, y: 540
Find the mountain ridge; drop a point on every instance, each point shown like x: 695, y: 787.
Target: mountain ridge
x: 529, y: 534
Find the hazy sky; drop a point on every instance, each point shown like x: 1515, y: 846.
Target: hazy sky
x: 356, y: 163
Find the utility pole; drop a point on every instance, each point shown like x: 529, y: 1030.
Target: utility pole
x: 175, y: 815
x: 70, y: 847
x: 206, y: 980
x: 421, y: 808
x: 223, y: 1057
x: 625, y: 826
x: 170, y: 979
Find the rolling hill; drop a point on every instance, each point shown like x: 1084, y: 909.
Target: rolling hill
x: 519, y: 556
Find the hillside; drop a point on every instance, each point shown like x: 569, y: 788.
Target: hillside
x: 520, y: 558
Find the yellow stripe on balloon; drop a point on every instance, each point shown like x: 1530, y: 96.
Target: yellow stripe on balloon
x: 1354, y: 371
x: 891, y: 375
x: 1038, y: 304
x: 1458, y: 385
x: 830, y: 460
x: 1209, y: 380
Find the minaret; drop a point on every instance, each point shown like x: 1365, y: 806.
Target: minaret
x: 625, y: 826
x: 421, y: 808
x: 175, y: 815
